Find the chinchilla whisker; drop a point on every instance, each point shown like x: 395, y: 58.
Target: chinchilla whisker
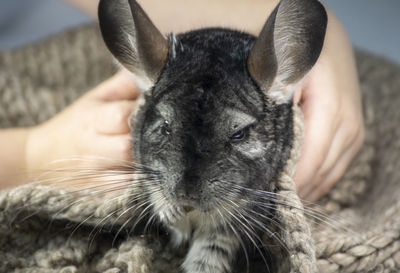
x: 136, y: 205
x: 85, y: 176
x: 19, y: 210
x: 138, y: 197
x: 125, y: 223
x: 116, y: 180
x: 267, y: 194
x: 241, y: 225
x: 247, y: 230
x: 315, y: 215
x: 103, y: 220
x: 96, y: 170
x: 161, y: 198
x: 100, y: 224
x: 263, y: 229
x: 233, y: 206
x: 83, y: 195
x: 122, y: 184
x: 213, y: 220
x: 247, y: 212
x: 122, y: 227
x: 229, y: 193
x: 79, y: 170
x: 29, y: 204
x: 98, y: 190
x: 81, y: 223
x: 261, y: 226
x: 265, y: 217
x: 79, y: 167
x: 82, y: 199
x: 96, y: 159
x: 149, y: 222
x: 315, y: 219
x: 135, y: 195
x: 238, y: 237
x: 144, y: 212
x: 138, y: 220
x: 55, y: 215
x: 101, y: 191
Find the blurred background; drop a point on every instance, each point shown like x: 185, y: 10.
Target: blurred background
x: 371, y: 24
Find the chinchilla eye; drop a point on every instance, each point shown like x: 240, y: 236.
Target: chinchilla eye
x: 239, y: 135
x: 165, y: 130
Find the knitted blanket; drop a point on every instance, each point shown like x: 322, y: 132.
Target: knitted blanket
x: 356, y: 228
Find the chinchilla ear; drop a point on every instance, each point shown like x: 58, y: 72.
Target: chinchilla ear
x: 287, y: 47
x: 133, y: 39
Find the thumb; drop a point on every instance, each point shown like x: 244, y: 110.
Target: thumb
x: 121, y: 86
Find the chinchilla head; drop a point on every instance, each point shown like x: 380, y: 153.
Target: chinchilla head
x: 217, y: 115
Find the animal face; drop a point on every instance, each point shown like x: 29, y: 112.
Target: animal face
x: 207, y: 128
x: 215, y: 123
x: 216, y: 118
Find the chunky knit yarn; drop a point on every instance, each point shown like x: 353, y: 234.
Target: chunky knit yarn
x: 48, y: 230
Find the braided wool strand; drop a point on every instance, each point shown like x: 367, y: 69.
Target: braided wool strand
x: 38, y: 81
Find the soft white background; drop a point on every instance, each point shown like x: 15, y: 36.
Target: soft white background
x: 372, y: 24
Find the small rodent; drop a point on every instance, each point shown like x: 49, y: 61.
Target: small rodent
x: 215, y: 123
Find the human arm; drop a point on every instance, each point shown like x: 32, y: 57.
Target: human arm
x: 94, y: 125
x: 331, y: 104
x: 329, y: 95
x: 12, y: 156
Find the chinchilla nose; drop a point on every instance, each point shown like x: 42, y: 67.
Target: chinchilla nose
x: 188, y: 196
x: 189, y: 188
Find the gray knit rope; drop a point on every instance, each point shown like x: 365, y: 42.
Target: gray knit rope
x: 296, y: 235
x: 83, y: 207
x: 27, y: 100
x: 377, y: 250
x: 38, y: 81
x: 61, y: 204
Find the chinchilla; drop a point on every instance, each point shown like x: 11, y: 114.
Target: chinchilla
x: 215, y: 124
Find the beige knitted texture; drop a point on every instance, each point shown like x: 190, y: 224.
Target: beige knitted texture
x: 367, y: 199
x: 296, y: 234
x: 48, y: 230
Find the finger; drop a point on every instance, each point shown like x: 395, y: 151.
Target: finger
x: 332, y: 177
x: 113, y: 118
x: 320, y: 174
x: 347, y: 139
x: 318, y: 137
x: 115, y: 148
x: 121, y: 86
x: 338, y: 146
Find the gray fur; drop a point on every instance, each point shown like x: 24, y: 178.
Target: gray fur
x: 207, y: 126
x: 33, y: 82
x: 134, y: 40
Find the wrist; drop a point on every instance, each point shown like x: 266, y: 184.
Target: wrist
x: 35, y: 150
x: 12, y: 157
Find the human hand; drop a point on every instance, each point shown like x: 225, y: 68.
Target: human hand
x: 330, y: 101
x: 95, y: 126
